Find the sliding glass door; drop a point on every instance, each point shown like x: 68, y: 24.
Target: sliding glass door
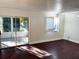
x: 14, y: 31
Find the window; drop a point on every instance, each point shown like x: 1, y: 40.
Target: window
x: 52, y: 24
x: 16, y: 24
x: 24, y: 24
x: 12, y: 24
x: 6, y: 24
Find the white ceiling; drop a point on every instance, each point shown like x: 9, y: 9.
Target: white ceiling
x: 40, y: 5
x: 24, y: 4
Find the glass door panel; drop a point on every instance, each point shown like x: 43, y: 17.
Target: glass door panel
x: 14, y: 31
x: 6, y: 24
x: 6, y: 33
x: 21, y: 30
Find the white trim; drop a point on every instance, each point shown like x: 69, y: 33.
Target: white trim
x: 75, y: 41
x: 41, y: 41
x: 11, y: 24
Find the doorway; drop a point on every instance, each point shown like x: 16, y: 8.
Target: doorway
x: 14, y: 31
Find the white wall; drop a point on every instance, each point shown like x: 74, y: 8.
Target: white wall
x: 37, y: 24
x: 33, y: 9
x: 71, y: 31
x: 48, y: 36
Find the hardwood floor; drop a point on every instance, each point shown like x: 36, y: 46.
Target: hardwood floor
x: 60, y: 49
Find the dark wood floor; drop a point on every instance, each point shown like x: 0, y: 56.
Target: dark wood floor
x: 60, y: 49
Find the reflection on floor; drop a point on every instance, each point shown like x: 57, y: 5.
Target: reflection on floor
x: 60, y: 49
x: 35, y: 51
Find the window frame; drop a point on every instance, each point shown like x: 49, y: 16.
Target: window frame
x: 55, y: 28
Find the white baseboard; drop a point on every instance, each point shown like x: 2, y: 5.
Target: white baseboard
x: 75, y: 41
x: 41, y: 41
